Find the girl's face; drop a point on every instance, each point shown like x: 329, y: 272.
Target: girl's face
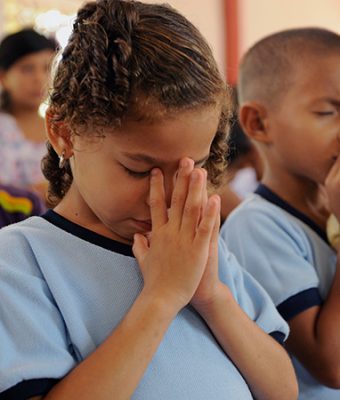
x: 110, y: 189
x: 26, y: 80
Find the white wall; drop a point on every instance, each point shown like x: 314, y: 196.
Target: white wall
x: 208, y: 16
x: 262, y: 17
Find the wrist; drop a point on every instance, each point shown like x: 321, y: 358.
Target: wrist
x: 221, y: 296
x: 161, y: 303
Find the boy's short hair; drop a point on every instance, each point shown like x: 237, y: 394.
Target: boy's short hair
x: 267, y: 68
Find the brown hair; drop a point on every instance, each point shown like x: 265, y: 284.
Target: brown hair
x: 127, y: 59
x: 267, y: 68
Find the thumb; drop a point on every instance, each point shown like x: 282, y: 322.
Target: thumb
x: 140, y: 247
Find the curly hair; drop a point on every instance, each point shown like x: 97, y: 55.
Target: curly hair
x: 127, y: 59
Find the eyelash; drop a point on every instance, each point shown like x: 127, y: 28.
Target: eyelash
x: 324, y: 113
x: 136, y: 174
x: 144, y: 174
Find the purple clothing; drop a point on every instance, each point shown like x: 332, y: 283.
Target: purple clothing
x: 18, y: 204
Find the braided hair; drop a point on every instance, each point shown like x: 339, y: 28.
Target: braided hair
x: 127, y: 59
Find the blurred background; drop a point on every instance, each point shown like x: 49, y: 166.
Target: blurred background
x: 230, y: 26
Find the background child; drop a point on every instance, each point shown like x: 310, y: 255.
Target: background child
x: 289, y: 93
x: 137, y: 108
x: 25, y: 58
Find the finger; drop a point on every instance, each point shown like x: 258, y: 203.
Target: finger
x: 140, y: 247
x: 205, y: 191
x: 209, y: 222
x: 213, y: 248
x: 193, y: 204
x: 334, y: 172
x: 180, y: 192
x: 157, y: 200
x: 216, y: 228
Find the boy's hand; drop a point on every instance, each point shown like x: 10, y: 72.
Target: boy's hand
x: 332, y: 185
x: 175, y: 258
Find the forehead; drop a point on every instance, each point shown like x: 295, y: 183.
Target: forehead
x: 187, y: 134
x: 43, y: 56
x: 316, y: 77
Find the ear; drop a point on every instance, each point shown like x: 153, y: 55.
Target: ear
x: 59, y: 135
x: 254, y: 121
x: 2, y: 78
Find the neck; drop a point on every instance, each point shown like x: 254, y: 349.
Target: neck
x: 25, y: 113
x: 305, y: 195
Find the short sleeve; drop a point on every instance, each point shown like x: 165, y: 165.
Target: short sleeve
x: 277, y: 254
x: 35, y: 348
x: 250, y: 295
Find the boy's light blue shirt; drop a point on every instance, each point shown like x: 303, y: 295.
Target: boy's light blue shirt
x: 63, y: 290
x: 290, y: 257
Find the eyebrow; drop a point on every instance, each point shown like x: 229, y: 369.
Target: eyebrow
x: 330, y: 100
x: 151, y: 160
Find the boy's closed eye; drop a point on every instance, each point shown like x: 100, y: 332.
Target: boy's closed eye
x: 325, y: 113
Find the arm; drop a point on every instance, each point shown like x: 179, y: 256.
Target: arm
x: 314, y: 337
x: 263, y: 363
x: 120, y: 362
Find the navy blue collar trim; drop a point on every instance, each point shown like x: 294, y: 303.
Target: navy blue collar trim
x: 85, y: 234
x: 267, y: 194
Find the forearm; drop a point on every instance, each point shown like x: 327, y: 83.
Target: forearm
x: 263, y: 363
x: 117, y: 366
x: 315, y: 337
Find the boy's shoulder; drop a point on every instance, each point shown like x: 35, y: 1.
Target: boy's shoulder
x: 258, y: 211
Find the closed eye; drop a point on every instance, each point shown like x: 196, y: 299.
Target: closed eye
x: 324, y: 113
x: 137, y: 174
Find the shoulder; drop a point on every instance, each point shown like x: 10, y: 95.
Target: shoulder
x: 249, y: 294
x: 259, y: 220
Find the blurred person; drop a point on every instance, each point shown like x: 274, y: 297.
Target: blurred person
x: 25, y: 58
x: 18, y: 204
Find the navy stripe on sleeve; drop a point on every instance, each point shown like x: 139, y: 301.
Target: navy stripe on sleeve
x: 299, y: 302
x: 26, y: 389
x: 278, y: 336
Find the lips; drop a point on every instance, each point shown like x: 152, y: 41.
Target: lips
x: 143, y: 226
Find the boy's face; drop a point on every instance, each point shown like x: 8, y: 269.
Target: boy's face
x: 305, y: 127
x: 110, y: 189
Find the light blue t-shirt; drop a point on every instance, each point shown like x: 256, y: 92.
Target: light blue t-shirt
x: 291, y: 258
x: 63, y: 290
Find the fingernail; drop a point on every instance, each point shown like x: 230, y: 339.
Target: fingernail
x: 184, y: 163
x: 154, y: 172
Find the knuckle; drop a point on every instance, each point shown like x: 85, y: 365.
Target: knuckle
x: 155, y: 202
x: 177, y: 198
x: 192, y: 209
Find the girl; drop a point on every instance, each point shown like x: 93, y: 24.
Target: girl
x: 123, y: 290
x: 25, y: 58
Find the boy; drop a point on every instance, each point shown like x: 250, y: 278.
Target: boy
x: 289, y: 94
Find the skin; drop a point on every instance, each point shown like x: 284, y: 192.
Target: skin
x: 300, y: 144
x: 184, y: 225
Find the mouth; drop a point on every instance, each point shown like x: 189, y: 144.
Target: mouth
x: 143, y: 225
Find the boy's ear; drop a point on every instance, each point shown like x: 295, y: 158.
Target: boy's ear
x: 253, y: 118
x: 59, y: 135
